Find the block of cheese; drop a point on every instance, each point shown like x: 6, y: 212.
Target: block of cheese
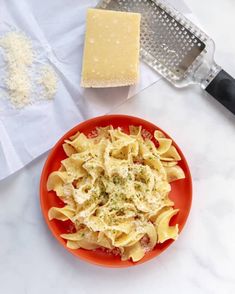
x: 111, y: 51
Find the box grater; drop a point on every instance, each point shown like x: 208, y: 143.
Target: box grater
x: 177, y: 49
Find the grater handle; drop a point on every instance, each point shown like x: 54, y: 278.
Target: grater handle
x: 222, y: 88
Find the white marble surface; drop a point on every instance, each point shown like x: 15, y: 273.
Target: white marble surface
x: 203, y: 258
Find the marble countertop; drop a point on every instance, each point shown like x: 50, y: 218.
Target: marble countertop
x: 203, y: 258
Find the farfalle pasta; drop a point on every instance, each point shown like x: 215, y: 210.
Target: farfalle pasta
x: 115, y: 188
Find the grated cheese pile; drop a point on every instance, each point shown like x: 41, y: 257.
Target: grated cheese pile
x: 48, y: 80
x: 20, y: 57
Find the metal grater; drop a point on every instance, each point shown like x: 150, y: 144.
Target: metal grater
x: 177, y: 49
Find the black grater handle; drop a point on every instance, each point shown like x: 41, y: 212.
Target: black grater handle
x: 222, y: 88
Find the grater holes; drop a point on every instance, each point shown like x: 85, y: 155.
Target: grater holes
x: 164, y: 41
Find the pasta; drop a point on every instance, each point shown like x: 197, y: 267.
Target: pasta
x: 115, y: 188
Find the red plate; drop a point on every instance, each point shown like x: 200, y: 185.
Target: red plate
x: 181, y: 192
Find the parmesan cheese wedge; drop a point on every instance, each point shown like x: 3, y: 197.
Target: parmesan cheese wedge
x: 111, y: 51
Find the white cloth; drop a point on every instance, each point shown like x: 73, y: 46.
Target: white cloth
x: 56, y: 28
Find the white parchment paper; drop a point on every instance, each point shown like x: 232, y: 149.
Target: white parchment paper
x: 57, y: 29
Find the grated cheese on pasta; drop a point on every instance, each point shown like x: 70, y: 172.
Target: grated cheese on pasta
x: 129, y: 212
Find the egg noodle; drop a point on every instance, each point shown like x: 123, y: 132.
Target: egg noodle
x: 115, y: 188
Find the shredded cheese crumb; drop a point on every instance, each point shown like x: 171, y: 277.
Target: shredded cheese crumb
x: 19, y: 57
x: 48, y: 81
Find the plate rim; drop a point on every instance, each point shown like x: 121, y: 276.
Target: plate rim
x: 43, y: 179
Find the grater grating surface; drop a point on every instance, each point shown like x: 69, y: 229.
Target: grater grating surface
x: 169, y: 43
x: 176, y: 48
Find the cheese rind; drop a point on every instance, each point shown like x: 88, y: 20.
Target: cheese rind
x: 111, y: 51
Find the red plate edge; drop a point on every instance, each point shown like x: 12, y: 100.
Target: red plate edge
x: 97, y: 257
